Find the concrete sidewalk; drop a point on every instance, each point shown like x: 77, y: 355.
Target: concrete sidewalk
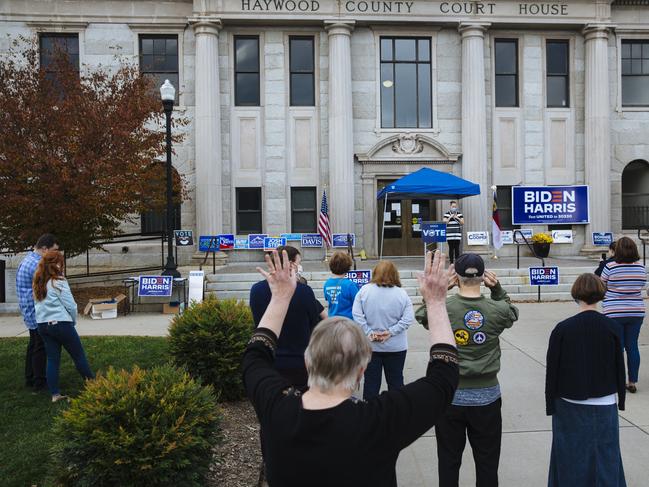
x: 527, y: 432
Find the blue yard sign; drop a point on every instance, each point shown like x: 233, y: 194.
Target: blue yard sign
x: 241, y: 243
x: 292, y: 237
x: 204, y: 243
x: 226, y: 242
x: 550, y: 205
x: 155, y: 286
x: 311, y: 240
x: 256, y: 240
x: 271, y: 243
x: 544, y: 276
x: 604, y: 239
x: 432, y: 232
x: 360, y: 277
x: 340, y: 240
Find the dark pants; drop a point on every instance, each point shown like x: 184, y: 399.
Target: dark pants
x: 55, y: 336
x: 483, y: 426
x: 585, y: 446
x: 453, y: 250
x: 35, y: 361
x: 629, y: 333
x: 392, y: 364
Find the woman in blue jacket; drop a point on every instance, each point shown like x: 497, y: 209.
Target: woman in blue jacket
x: 56, y: 315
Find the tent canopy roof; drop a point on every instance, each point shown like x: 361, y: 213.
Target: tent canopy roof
x: 429, y: 184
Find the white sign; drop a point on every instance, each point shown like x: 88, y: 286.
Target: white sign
x: 507, y: 237
x: 562, y: 236
x: 527, y: 233
x: 196, y: 279
x: 477, y: 238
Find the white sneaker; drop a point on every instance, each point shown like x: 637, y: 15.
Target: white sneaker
x: 58, y: 397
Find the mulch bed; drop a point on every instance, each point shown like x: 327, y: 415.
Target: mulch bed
x: 83, y: 294
x: 237, y: 458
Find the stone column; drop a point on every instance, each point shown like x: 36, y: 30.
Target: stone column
x: 341, y: 130
x: 474, y: 126
x: 207, y: 122
x: 597, y: 141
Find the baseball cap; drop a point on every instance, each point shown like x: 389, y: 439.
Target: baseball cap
x: 469, y: 265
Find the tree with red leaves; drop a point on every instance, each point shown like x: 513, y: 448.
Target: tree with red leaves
x: 80, y: 150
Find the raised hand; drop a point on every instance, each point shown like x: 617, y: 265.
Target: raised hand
x: 281, y: 275
x: 490, y: 279
x: 434, y: 282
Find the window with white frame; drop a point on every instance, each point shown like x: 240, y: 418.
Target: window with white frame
x: 635, y: 72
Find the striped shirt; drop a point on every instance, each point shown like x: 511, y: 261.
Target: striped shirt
x: 453, y: 227
x: 624, y: 284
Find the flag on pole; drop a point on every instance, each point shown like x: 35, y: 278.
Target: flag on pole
x: 323, y: 221
x: 497, y: 237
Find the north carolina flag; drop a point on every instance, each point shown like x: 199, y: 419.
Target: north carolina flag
x: 497, y: 237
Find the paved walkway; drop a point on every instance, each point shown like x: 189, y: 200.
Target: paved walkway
x: 526, y: 430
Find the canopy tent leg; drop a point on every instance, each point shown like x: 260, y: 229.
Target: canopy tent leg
x: 385, y: 207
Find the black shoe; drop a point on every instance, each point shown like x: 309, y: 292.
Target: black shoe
x: 632, y: 389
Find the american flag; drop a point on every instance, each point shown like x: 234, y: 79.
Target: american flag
x: 323, y: 221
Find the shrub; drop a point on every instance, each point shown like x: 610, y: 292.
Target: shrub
x: 146, y: 427
x: 209, y: 339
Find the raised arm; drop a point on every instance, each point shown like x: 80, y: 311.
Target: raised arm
x: 433, y: 285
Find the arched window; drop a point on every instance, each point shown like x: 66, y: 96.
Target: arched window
x: 635, y: 195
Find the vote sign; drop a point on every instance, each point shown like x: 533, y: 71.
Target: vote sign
x: 360, y: 278
x: 433, y: 232
x: 184, y: 238
x: 340, y: 240
x: 549, y: 205
x: 271, y: 243
x: 311, y: 240
x: 155, y: 286
x: 544, y: 276
x: 604, y: 239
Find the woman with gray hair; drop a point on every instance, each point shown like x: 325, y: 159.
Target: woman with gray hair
x: 325, y: 437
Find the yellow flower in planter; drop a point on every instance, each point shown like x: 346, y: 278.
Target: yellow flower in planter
x: 542, y: 238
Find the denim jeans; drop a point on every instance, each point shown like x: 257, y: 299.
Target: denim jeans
x: 392, y: 364
x: 629, y: 332
x: 63, y: 334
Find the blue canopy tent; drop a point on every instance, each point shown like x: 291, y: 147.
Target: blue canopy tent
x: 426, y: 184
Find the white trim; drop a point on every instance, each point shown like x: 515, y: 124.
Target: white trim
x: 78, y: 28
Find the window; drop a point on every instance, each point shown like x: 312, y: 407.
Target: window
x: 153, y: 221
x: 506, y: 62
x: 303, y: 210
x: 248, y: 210
x: 406, y: 87
x: 302, y: 71
x: 504, y: 197
x: 159, y: 59
x: 52, y: 45
x: 635, y: 73
x: 557, y: 74
x: 246, y: 71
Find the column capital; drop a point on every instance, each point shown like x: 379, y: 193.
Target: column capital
x: 473, y: 29
x: 336, y: 27
x: 596, y: 31
x: 206, y: 24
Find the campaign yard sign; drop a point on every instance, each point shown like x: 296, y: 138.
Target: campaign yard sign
x: 155, y: 286
x: 477, y: 238
x: 432, y: 232
x: 340, y: 240
x: 271, y: 243
x: 527, y: 233
x: 291, y: 237
x: 549, y: 205
x: 544, y: 276
x: 241, y: 244
x: 507, y: 237
x: 226, y: 242
x: 604, y: 239
x: 256, y: 240
x: 204, y: 243
x: 311, y: 240
x: 562, y: 236
x: 360, y: 278
x: 184, y: 238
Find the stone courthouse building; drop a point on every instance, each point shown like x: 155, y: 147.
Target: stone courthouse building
x: 288, y: 98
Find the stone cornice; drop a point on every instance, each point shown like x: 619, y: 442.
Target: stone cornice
x: 473, y: 29
x: 336, y: 27
x: 206, y: 24
x: 58, y: 26
x: 596, y: 31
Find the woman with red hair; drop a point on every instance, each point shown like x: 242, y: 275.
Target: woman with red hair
x: 56, y: 315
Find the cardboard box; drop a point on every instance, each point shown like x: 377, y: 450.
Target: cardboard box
x: 103, y: 308
x: 171, y: 308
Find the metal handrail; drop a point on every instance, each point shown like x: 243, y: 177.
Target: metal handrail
x: 644, y: 244
x: 518, y: 253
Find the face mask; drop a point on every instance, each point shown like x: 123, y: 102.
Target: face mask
x: 300, y: 269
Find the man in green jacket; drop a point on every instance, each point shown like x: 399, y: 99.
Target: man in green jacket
x: 477, y: 323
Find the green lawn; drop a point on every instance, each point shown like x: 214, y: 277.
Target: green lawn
x: 26, y: 418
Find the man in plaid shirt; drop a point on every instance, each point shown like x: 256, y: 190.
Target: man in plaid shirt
x: 36, y: 358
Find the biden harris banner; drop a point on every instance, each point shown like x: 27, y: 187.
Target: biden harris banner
x: 550, y: 205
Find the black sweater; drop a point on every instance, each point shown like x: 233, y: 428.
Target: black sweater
x: 355, y: 443
x: 584, y: 360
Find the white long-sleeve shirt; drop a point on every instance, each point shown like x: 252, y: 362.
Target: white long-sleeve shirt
x: 378, y: 308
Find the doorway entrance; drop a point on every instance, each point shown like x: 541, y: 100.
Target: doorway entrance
x: 402, y: 220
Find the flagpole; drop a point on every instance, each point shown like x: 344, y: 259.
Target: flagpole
x: 385, y: 207
x: 493, y: 224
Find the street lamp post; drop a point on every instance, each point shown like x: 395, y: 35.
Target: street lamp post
x: 168, y: 95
